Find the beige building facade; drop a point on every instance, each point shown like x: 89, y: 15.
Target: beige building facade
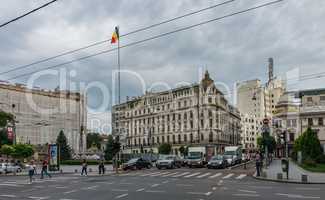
x: 40, y: 115
x: 195, y: 115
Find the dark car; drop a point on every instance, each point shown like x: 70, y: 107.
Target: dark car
x: 137, y: 163
x: 217, y: 162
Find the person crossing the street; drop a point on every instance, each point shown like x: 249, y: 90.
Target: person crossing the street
x: 101, y: 167
x: 31, y: 171
x: 84, y: 168
x: 44, y: 170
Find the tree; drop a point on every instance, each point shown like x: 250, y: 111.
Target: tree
x: 7, y: 150
x: 93, y: 139
x: 182, y: 150
x: 267, y: 141
x: 165, y: 148
x: 112, y: 148
x: 65, y: 150
x: 309, y: 144
x: 23, y: 151
x: 5, y: 118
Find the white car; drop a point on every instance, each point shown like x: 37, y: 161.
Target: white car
x: 9, y: 168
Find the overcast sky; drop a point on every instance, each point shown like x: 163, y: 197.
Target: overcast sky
x: 233, y: 49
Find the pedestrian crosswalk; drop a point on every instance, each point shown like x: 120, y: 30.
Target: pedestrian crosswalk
x: 188, y: 174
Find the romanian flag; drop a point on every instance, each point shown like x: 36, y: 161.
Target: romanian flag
x: 115, y: 36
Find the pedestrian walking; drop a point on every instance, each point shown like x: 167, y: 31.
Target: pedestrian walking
x: 101, y: 167
x: 258, y: 160
x: 44, y: 170
x: 31, y: 171
x: 84, y: 168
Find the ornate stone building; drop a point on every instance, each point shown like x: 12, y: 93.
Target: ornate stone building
x: 195, y: 115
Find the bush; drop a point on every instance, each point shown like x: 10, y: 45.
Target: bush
x: 320, y: 159
x: 79, y: 162
x: 310, y: 162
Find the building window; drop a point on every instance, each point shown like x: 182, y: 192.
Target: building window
x: 292, y: 137
x: 210, y: 100
x: 163, y: 139
x: 191, y: 138
x: 322, y: 98
x: 168, y: 139
x: 210, y: 137
x: 179, y: 139
x: 309, y: 99
x: 210, y: 123
x: 158, y: 140
x: 185, y: 103
x: 179, y: 104
x: 173, y: 139
x: 185, y: 138
x: 202, y: 123
x: 310, y: 121
x: 202, y: 137
x: 320, y: 121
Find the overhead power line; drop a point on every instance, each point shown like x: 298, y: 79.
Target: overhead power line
x: 152, y: 38
x: 122, y: 35
x: 28, y: 13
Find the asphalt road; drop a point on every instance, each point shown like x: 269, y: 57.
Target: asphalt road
x: 178, y: 184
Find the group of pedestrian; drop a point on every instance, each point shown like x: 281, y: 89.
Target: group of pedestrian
x: 84, y: 168
x: 32, y: 170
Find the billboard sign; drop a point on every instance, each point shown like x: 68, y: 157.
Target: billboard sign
x: 53, y: 154
x: 10, y: 133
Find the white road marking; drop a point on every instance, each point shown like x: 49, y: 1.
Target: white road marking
x: 160, y: 174
x: 203, y: 175
x: 165, y: 182
x: 228, y: 176
x: 200, y: 193
x: 10, y: 185
x: 248, y: 191
x: 185, y: 185
x: 297, y: 196
x: 38, y: 198
x: 191, y: 175
x: 71, y: 191
x: 182, y: 174
x: 150, y: 174
x: 241, y: 176
x: 172, y: 174
x: 155, y: 191
x: 216, y: 175
x: 121, y: 196
x: 140, y: 190
x: 261, y: 187
x: 305, y: 188
x: 119, y: 190
x: 246, y: 195
x: 8, y: 195
x: 155, y: 185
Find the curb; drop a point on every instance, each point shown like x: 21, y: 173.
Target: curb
x: 286, y: 181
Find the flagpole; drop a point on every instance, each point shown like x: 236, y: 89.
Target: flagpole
x: 119, y: 67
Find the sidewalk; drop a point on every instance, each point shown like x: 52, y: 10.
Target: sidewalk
x: 295, y: 173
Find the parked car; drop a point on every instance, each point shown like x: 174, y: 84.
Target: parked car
x: 230, y: 160
x: 195, y: 161
x: 137, y: 163
x: 217, y: 162
x: 168, y: 162
x: 6, y: 168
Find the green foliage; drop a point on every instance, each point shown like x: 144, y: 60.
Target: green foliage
x: 320, y: 159
x: 309, y: 144
x: 165, y: 148
x: 112, y: 148
x: 93, y: 139
x: 5, y: 118
x: 310, y: 162
x: 65, y: 150
x: 7, y: 150
x: 268, y: 141
x: 182, y: 150
x: 23, y: 151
